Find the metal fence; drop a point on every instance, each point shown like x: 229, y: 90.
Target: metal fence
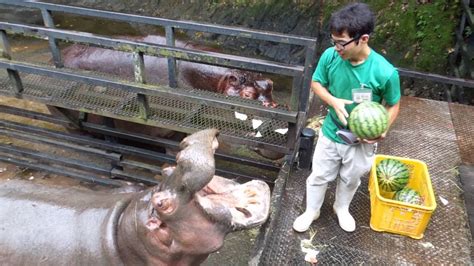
x: 146, y: 99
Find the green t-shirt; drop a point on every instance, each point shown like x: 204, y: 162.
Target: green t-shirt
x: 339, y: 77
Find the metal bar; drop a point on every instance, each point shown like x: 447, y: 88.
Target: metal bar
x: 179, y: 128
x: 48, y: 158
x: 253, y: 143
x: 135, y: 164
x: 188, y: 25
x: 206, y: 57
x: 61, y: 171
x: 232, y: 174
x: 296, y: 93
x: 6, y: 49
x: 172, y: 70
x: 60, y: 143
x: 307, y: 77
x: 34, y: 115
x: 15, y: 79
x: 111, y: 148
x: 469, y: 83
x: 13, y: 75
x: 75, y: 122
x: 117, y: 173
x: 53, y: 44
x: 173, y: 145
x: 274, y: 113
x: 139, y: 71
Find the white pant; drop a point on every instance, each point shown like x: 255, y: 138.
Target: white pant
x: 331, y: 158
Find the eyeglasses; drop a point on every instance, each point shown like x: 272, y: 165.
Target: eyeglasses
x: 342, y: 46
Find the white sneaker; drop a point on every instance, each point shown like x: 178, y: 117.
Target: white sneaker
x: 304, y: 221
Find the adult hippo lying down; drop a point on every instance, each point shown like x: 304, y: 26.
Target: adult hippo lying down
x: 230, y: 82
x: 178, y: 222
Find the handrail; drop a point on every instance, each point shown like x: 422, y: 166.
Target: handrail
x: 188, y: 25
x: 436, y: 77
x: 156, y: 49
x: 152, y: 90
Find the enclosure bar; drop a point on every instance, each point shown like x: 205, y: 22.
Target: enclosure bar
x: 187, y: 25
x: 172, y: 70
x: 117, y: 173
x: 44, y: 157
x: 173, y: 144
x: 469, y: 83
x: 34, y: 115
x: 274, y: 113
x: 134, y: 164
x: 310, y: 59
x: 12, y: 74
x: 53, y: 43
x: 61, y: 171
x: 6, y: 49
x: 43, y: 138
x: 205, y: 57
x: 139, y: 72
x: 113, y: 150
x: 181, y: 128
x: 295, y: 99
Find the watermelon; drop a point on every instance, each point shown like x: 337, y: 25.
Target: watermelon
x: 392, y: 175
x: 368, y: 120
x: 408, y: 195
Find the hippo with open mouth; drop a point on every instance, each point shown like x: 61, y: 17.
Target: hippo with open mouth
x: 178, y: 222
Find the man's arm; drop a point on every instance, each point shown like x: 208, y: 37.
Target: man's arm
x: 336, y: 103
x: 392, y: 113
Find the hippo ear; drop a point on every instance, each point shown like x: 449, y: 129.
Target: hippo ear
x: 233, y: 80
x: 167, y: 171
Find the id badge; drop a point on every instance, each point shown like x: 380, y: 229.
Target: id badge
x: 361, y: 95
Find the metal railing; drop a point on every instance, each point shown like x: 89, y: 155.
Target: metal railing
x: 300, y: 74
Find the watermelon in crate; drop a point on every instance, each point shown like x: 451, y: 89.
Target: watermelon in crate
x: 368, y: 120
x: 409, y: 196
x: 392, y: 175
x: 395, y: 216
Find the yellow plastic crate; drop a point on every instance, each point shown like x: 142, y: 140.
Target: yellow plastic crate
x: 398, y: 217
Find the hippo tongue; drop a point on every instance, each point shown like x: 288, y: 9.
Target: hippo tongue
x: 239, y: 206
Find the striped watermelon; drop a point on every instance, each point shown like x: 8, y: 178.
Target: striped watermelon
x: 392, y: 175
x: 368, y: 120
x: 408, y: 195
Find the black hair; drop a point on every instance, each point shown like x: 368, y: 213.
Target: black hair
x: 357, y: 19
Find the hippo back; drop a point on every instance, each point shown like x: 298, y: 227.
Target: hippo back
x: 58, y: 224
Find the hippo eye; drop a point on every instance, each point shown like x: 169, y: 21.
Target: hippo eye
x: 242, y: 79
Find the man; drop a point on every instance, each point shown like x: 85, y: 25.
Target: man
x: 348, y: 72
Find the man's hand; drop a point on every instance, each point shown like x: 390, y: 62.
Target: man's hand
x: 372, y: 141
x: 339, y: 106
